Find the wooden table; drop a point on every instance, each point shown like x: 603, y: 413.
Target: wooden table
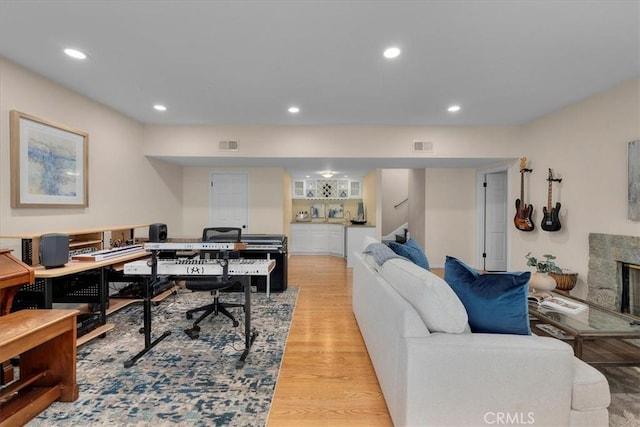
x: 45, y: 340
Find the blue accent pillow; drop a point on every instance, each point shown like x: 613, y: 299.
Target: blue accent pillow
x: 411, y: 250
x: 496, y: 302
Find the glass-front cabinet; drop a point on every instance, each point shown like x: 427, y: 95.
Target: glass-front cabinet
x: 298, y: 189
x: 355, y: 189
x: 327, y: 189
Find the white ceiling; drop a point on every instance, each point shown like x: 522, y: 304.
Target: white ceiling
x: 245, y: 62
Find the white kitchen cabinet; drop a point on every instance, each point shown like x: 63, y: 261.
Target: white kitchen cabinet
x: 317, y: 239
x: 336, y: 240
x: 355, y: 189
x: 298, y: 189
x: 327, y: 189
x: 299, y: 241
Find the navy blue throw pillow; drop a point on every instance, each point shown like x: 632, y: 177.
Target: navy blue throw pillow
x: 412, y: 251
x: 495, y: 302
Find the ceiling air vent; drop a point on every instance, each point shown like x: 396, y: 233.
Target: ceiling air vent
x: 228, y: 145
x: 423, y: 146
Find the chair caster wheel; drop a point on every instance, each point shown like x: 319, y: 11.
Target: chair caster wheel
x: 189, y: 316
x: 192, y: 333
x: 141, y: 331
x: 236, y: 323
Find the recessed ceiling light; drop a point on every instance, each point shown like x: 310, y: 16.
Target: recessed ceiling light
x: 327, y: 174
x: 294, y: 110
x: 392, y: 52
x: 75, y: 54
x: 453, y: 109
x: 160, y: 107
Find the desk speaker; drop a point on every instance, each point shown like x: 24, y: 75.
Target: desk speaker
x: 54, y: 250
x: 157, y: 233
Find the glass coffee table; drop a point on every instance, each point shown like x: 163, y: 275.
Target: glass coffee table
x: 594, y: 323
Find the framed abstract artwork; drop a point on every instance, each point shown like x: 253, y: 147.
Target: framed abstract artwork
x: 634, y: 180
x: 317, y: 211
x: 335, y: 210
x: 49, y: 163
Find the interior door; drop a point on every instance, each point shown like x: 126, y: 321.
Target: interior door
x: 228, y: 201
x: 495, y: 221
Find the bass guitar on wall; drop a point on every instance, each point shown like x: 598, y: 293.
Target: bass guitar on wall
x: 522, y: 219
x: 551, y: 220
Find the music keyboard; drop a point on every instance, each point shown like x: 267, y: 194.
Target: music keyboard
x: 193, y: 246
x: 107, y: 253
x: 202, y: 267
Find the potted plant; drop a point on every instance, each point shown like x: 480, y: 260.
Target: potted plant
x: 545, y: 266
x: 565, y: 280
x: 541, y: 280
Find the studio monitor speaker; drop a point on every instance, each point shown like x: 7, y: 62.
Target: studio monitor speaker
x: 54, y: 250
x: 157, y: 233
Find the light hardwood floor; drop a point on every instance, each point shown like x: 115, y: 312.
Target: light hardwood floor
x: 326, y: 377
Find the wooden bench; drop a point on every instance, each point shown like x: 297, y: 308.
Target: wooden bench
x: 45, y: 340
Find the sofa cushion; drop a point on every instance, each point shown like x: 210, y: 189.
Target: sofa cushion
x: 411, y: 250
x: 590, y: 387
x: 435, y: 302
x: 381, y: 253
x: 495, y: 303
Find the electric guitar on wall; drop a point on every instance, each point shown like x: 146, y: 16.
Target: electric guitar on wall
x: 551, y: 220
x: 522, y: 219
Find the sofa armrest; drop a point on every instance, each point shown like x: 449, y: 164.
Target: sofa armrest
x: 474, y: 379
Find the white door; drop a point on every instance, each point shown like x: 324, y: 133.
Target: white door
x: 228, y: 201
x: 495, y: 222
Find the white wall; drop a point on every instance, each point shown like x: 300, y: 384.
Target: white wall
x: 418, y: 208
x: 450, y: 219
x: 586, y: 145
x: 266, y: 199
x: 386, y: 142
x: 124, y: 186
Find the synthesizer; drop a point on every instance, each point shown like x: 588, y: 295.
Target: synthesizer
x: 193, y: 246
x: 107, y: 253
x: 202, y: 267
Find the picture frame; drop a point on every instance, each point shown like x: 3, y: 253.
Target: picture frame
x: 49, y: 163
x: 317, y: 211
x: 634, y: 180
x: 335, y: 210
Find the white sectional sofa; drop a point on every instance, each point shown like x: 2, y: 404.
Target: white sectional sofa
x: 465, y: 379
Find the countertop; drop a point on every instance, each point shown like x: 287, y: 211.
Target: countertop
x: 346, y: 225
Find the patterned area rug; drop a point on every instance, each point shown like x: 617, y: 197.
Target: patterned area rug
x: 624, y: 385
x: 180, y: 381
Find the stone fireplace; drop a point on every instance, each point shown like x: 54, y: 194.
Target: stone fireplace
x: 610, y: 256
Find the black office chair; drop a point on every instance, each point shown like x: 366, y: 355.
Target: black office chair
x: 214, y: 284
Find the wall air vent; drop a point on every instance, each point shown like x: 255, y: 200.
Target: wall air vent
x: 228, y: 145
x: 423, y: 146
